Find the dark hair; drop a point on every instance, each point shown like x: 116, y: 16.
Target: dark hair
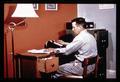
x: 80, y: 20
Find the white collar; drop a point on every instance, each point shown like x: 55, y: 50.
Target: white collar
x: 83, y: 31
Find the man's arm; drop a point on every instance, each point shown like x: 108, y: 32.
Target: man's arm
x: 62, y: 42
x: 71, y: 47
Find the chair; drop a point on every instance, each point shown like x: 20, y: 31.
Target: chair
x: 86, y: 62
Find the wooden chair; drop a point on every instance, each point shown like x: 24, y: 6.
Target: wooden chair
x: 86, y: 62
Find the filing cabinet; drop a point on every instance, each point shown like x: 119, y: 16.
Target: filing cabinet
x: 101, y: 36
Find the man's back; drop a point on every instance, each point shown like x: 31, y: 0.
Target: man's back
x: 88, y: 45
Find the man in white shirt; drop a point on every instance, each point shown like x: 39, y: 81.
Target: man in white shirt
x: 84, y: 43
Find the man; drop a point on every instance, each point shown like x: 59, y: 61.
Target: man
x: 84, y: 43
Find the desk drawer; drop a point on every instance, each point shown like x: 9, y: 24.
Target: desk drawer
x: 48, y: 65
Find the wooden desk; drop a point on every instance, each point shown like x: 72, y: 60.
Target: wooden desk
x: 31, y: 65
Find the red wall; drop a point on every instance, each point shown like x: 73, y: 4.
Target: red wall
x: 37, y: 30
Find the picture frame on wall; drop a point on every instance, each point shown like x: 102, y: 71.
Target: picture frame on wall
x: 51, y: 7
x: 35, y: 6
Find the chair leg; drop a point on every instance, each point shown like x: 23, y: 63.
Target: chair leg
x: 85, y: 72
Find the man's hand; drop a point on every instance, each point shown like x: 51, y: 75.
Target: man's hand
x: 50, y: 50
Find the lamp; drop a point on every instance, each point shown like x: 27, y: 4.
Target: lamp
x: 23, y: 11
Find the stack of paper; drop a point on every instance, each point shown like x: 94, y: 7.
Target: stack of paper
x: 38, y: 51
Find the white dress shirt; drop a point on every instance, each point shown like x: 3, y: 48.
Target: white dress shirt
x: 84, y: 43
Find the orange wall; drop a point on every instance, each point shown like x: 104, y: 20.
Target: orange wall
x: 38, y: 30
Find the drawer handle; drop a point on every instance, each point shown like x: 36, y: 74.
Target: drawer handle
x: 53, y: 65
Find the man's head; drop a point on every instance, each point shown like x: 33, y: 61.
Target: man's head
x: 78, y: 25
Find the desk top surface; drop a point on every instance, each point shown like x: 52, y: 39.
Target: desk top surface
x: 36, y: 55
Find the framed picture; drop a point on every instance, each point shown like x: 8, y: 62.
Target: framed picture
x: 35, y: 6
x: 51, y: 7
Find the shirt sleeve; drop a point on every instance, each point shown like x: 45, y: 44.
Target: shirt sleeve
x: 70, y: 48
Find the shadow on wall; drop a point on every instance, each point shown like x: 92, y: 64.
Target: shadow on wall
x: 110, y: 53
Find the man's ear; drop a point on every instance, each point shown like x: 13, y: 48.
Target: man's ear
x: 79, y: 26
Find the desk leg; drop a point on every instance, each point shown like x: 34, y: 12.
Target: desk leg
x: 37, y: 74
x: 19, y: 66
x: 17, y: 73
x: 18, y: 70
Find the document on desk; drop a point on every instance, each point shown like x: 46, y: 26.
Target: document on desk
x: 38, y: 51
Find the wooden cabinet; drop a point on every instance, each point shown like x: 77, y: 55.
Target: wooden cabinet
x: 48, y: 65
x: 31, y: 65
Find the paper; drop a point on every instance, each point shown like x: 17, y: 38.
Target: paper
x: 47, y: 58
x: 38, y: 51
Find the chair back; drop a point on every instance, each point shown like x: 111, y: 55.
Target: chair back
x: 85, y: 63
x: 90, y: 61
